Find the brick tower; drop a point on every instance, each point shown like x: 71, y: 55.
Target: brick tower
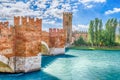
x: 67, y: 26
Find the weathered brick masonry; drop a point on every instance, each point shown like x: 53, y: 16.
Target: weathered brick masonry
x: 22, y: 43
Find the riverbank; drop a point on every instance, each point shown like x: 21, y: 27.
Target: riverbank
x: 94, y: 48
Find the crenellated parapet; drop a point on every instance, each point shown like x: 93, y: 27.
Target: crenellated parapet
x: 57, y: 37
x: 70, y: 13
x: 24, y: 20
x: 16, y: 20
x: 27, y: 21
x: 5, y: 24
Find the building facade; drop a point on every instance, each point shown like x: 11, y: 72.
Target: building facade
x: 78, y: 34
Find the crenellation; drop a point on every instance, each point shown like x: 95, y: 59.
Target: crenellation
x: 4, y: 24
x: 16, y: 20
x: 38, y: 24
x: 56, y: 36
x: 24, y: 20
x: 31, y: 22
x: 67, y: 13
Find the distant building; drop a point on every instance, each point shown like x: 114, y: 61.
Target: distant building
x: 76, y: 35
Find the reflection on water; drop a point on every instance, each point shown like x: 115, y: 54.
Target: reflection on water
x: 75, y: 65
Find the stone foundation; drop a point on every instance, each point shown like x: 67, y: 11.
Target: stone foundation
x: 57, y: 51
x: 28, y: 64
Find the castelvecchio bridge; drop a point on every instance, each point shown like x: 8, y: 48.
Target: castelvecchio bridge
x: 21, y: 45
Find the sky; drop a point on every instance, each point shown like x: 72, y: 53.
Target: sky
x: 51, y: 11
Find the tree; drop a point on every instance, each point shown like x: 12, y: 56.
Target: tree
x: 98, y: 36
x: 80, y: 41
x: 96, y: 24
x: 100, y: 32
x: 119, y: 30
x: 111, y: 30
x: 95, y: 30
x: 91, y: 32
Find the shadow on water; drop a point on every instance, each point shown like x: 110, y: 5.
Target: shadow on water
x: 46, y: 60
x: 38, y: 75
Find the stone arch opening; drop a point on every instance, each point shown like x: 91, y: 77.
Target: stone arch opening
x: 5, y: 67
x: 44, y: 48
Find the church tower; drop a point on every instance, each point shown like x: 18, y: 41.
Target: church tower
x: 67, y: 26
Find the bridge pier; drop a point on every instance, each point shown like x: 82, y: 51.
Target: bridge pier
x: 20, y: 64
x: 57, y: 51
x: 28, y: 64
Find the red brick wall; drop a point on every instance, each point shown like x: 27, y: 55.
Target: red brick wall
x: 28, y: 37
x: 45, y: 37
x: 25, y: 39
x: 57, y: 38
x: 21, y: 40
x: 6, y: 40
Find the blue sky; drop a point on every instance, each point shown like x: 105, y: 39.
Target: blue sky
x: 51, y: 11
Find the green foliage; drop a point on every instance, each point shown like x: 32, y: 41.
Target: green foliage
x: 91, y: 32
x: 80, y: 41
x: 100, y: 37
x: 111, y: 31
x: 119, y: 31
x: 95, y: 31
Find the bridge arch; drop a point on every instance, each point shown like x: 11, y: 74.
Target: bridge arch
x: 44, y: 48
x: 4, y: 64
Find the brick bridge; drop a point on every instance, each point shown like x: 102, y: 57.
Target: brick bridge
x: 22, y: 43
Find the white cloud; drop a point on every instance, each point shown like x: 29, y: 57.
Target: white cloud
x: 115, y: 10
x: 80, y: 27
x: 89, y: 3
x: 48, y: 22
x: 9, y: 9
x: 89, y: 6
x: 95, y: 1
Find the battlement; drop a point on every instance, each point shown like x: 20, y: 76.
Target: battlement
x: 70, y: 13
x: 38, y: 23
x: 4, y: 23
x: 27, y: 21
x: 53, y: 30
x: 24, y: 20
x: 16, y: 20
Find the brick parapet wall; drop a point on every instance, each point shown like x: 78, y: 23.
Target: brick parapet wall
x: 22, y: 35
x: 57, y: 37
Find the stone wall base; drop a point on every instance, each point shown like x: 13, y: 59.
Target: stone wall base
x: 57, y: 51
x: 28, y: 64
